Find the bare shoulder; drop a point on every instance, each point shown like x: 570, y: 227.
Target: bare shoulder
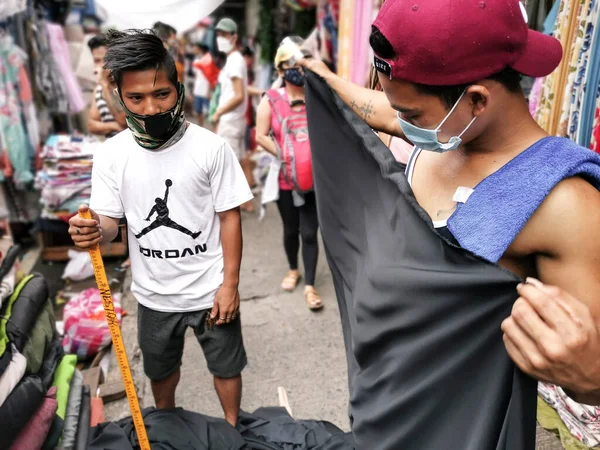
x: 568, y: 217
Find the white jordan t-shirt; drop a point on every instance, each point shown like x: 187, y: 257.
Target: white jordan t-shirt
x: 174, y: 236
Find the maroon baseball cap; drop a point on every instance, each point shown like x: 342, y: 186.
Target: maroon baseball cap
x: 451, y: 42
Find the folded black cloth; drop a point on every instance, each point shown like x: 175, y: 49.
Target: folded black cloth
x: 83, y: 427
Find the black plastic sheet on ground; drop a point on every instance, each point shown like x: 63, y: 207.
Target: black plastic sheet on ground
x: 421, y: 317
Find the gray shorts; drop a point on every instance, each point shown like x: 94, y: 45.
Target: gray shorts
x: 161, y: 336
x: 234, y: 133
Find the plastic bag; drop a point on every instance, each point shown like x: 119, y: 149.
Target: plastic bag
x: 85, y: 329
x: 79, y: 266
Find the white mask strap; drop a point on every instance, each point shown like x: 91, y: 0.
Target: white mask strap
x: 451, y: 111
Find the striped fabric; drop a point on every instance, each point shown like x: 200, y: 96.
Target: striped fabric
x: 105, y: 113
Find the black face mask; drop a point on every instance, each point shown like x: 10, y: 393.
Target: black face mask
x: 159, y: 125
x: 294, y: 77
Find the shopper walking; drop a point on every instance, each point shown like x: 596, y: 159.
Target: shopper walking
x: 300, y: 222
x: 230, y: 116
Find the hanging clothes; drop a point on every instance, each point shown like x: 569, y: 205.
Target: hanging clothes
x: 554, y: 84
x: 11, y: 7
x: 573, y: 72
x: 595, y: 145
x: 568, y: 98
x: 13, y: 81
x: 537, y: 11
x: 583, y: 80
x: 62, y: 55
x: 48, y: 81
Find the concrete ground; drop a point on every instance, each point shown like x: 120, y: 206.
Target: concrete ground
x: 287, y: 344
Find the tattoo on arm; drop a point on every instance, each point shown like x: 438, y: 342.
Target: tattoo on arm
x: 365, y: 111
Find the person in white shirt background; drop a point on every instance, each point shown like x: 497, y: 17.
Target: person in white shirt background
x: 201, y: 84
x: 180, y: 187
x: 229, y: 119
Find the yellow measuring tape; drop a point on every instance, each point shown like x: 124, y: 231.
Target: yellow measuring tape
x: 117, y: 339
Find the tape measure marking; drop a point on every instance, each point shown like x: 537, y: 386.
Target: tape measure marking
x: 117, y: 339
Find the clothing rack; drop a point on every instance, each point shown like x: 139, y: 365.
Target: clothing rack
x: 567, y: 102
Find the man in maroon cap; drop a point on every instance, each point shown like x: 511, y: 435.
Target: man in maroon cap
x: 451, y: 72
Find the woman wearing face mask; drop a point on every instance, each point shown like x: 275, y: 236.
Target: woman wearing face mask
x: 300, y: 223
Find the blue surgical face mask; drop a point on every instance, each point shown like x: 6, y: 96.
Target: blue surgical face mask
x: 428, y: 139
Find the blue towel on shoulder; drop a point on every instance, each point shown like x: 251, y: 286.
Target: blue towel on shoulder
x: 502, y: 203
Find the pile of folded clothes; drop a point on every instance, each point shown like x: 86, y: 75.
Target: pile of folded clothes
x: 43, y: 403
x: 65, y: 180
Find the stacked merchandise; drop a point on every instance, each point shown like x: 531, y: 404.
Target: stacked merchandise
x: 328, y: 19
x: 567, y: 102
x: 30, y: 354
x: 43, y: 399
x: 65, y: 179
x: 39, y: 94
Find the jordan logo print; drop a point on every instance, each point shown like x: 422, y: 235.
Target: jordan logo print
x: 162, y: 217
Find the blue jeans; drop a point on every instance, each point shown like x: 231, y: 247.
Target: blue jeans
x: 200, y: 105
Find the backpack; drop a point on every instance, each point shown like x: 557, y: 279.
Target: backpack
x: 293, y: 144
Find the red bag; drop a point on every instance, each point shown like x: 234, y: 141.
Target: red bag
x: 294, y: 143
x: 209, y: 69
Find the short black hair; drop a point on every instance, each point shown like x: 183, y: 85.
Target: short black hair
x: 508, y: 77
x: 247, y: 51
x: 135, y: 50
x: 163, y: 30
x: 100, y: 40
x: 202, y: 47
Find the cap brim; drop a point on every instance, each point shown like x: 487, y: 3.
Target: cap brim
x: 541, y: 56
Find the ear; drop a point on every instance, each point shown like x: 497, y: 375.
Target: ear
x: 479, y: 97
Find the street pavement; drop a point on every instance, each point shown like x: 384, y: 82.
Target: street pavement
x: 287, y: 345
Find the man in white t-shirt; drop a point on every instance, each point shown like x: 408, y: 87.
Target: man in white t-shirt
x: 233, y: 79
x: 180, y: 187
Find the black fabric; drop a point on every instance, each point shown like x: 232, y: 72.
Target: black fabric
x: 5, y: 359
x: 421, y: 317
x: 50, y: 363
x: 54, y: 434
x: 19, y: 407
x: 272, y: 428
x: 25, y: 311
x: 83, y: 426
x: 445, y: 232
x: 9, y: 260
x: 300, y: 223
x: 173, y: 429
x: 28, y: 396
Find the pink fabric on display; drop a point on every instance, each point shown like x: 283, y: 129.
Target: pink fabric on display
x: 36, y: 431
x: 363, y: 17
x: 60, y: 51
